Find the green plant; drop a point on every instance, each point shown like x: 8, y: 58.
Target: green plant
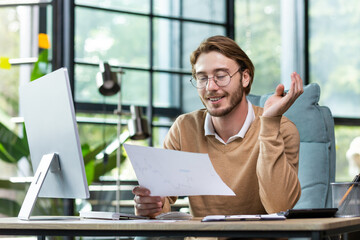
x: 41, y: 65
x: 95, y: 168
x: 13, y: 148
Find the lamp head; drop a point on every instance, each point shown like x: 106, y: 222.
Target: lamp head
x: 106, y: 80
x: 138, y: 126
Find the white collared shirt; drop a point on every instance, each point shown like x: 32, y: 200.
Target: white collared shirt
x: 209, y: 127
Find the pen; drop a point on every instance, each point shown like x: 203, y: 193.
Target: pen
x: 355, y: 180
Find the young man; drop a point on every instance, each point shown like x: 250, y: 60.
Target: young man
x: 254, y: 150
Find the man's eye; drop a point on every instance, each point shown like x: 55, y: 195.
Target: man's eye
x: 220, y: 77
x: 202, y: 78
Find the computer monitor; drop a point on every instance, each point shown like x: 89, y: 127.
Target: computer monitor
x: 48, y: 111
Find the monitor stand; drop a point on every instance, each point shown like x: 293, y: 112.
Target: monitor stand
x: 48, y: 161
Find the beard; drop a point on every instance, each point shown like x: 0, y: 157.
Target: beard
x: 235, y: 100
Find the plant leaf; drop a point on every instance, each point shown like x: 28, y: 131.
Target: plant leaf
x: 91, y: 154
x: 13, y: 145
x: 40, y: 66
x: 4, y: 155
x: 89, y: 170
x: 9, y: 207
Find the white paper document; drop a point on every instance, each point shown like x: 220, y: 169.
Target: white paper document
x: 174, y: 173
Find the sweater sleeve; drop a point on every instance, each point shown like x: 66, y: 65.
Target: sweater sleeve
x: 277, y: 166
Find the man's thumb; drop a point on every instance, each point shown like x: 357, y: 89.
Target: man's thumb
x: 280, y: 90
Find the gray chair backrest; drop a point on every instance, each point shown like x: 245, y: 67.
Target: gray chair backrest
x: 317, y: 146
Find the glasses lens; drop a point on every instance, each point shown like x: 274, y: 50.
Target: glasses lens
x: 193, y: 82
x: 222, y: 78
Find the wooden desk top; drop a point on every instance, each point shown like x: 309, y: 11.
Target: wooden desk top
x: 74, y: 223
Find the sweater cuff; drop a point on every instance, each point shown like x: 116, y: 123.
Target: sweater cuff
x: 269, y: 126
x: 167, y: 204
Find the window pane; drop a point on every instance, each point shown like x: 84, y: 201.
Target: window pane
x: 334, y: 54
x: 125, y: 5
x: 95, y: 135
x: 206, y: 10
x: 9, y: 94
x: 121, y: 39
x: 191, y: 99
x: 135, y: 85
x: 85, y: 84
x: 16, y: 42
x: 18, y: 39
x: 167, y: 8
x: 10, y: 32
x: 159, y: 134
x: 166, y: 90
x: 257, y: 25
x: 166, y: 36
x: 345, y: 165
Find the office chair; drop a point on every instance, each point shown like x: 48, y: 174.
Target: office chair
x: 317, y: 146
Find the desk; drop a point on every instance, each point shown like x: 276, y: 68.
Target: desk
x: 314, y: 228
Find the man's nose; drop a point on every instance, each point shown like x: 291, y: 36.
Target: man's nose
x: 211, y: 84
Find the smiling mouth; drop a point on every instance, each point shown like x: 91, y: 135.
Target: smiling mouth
x: 215, y: 99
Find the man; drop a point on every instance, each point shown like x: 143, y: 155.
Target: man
x: 254, y: 150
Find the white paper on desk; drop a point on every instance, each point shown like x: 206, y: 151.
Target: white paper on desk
x: 174, y: 173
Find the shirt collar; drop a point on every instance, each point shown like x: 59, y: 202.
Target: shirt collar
x: 209, y: 127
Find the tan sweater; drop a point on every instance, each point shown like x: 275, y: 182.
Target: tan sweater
x: 260, y: 168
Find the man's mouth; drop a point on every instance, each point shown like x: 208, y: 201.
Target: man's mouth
x: 214, y: 99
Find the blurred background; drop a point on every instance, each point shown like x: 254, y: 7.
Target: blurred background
x: 151, y: 41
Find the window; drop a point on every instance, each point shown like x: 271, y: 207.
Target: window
x: 152, y: 45
x: 319, y: 40
x: 149, y: 40
x: 258, y: 33
x: 271, y: 33
x: 334, y: 64
x: 20, y: 24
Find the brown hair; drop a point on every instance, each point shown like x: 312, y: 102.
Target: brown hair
x: 228, y: 48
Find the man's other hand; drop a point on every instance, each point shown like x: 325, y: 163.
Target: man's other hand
x: 146, y: 205
x: 279, y: 102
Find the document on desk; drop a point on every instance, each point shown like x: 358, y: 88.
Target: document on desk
x: 174, y: 173
x: 216, y: 218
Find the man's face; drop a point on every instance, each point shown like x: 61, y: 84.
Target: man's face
x: 219, y: 101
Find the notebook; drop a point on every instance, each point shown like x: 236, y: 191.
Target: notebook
x: 109, y: 215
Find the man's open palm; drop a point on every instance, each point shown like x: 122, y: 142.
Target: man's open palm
x: 279, y: 103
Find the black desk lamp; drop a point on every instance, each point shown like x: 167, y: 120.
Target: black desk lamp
x: 107, y: 81
x: 137, y: 125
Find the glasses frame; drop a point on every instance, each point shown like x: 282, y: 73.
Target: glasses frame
x: 193, y: 80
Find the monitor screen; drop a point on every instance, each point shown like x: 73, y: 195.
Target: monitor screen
x: 48, y: 111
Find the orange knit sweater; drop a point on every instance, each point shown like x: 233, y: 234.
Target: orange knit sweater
x: 260, y: 168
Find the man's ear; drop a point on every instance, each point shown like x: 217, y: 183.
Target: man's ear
x: 245, y: 78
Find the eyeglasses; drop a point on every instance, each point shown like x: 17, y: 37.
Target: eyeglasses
x: 221, y: 78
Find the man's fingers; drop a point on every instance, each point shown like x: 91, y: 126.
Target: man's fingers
x: 148, y: 206
x: 146, y: 199
x: 148, y: 212
x: 141, y: 191
x: 296, y: 88
x: 279, y: 90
